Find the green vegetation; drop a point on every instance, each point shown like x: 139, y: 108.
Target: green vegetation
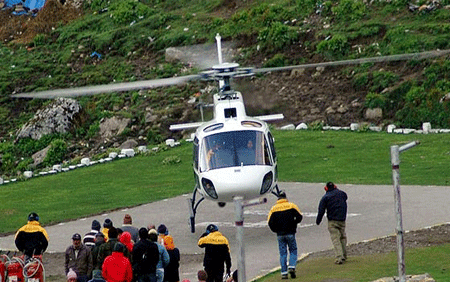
x: 345, y: 157
x: 431, y: 260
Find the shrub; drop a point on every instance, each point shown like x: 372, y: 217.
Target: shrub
x: 278, y: 60
x: 56, y: 153
x: 171, y: 160
x: 350, y: 10
x: 277, y: 36
x: 375, y: 100
x: 337, y: 46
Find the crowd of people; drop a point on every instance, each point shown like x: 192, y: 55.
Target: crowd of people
x: 148, y: 254
x: 126, y: 254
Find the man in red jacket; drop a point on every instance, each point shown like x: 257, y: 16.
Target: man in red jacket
x: 116, y: 267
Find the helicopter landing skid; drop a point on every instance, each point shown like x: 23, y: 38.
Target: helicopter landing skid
x: 193, y: 208
x: 277, y: 192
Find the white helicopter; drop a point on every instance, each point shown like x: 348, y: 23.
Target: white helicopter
x: 234, y: 154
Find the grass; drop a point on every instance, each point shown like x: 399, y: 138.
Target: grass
x: 431, y: 260
x: 343, y: 157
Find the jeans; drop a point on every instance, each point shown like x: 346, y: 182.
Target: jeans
x: 159, y: 274
x: 285, y: 241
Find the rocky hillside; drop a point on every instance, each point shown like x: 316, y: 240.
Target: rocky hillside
x: 93, y: 42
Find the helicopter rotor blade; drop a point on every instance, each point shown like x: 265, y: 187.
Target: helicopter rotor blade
x: 400, y: 57
x: 107, y: 88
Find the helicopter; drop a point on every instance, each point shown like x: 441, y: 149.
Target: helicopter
x: 233, y: 154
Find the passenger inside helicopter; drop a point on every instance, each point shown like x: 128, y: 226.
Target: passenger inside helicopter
x: 235, y: 148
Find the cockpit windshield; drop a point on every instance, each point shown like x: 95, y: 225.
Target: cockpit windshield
x: 235, y: 148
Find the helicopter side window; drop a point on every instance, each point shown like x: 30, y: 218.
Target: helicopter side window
x: 272, y: 146
x: 195, y: 153
x: 267, y: 160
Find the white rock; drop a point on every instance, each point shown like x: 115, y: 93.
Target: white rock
x: 28, y: 174
x: 52, y: 171
x: 85, y: 161
x: 65, y: 169
x: 80, y: 165
x: 426, y: 127
x: 408, y: 130
x: 354, y: 126
x: 398, y: 130
x: 57, y: 167
x: 43, y: 173
x: 288, y: 127
x: 108, y: 159
x: 1, y: 180
x: 375, y: 128
x: 142, y: 149
x: 127, y: 152
x: 112, y: 155
x: 72, y: 166
x: 170, y: 142
x: 121, y: 156
x: 155, y: 149
x: 301, y: 126
x: 390, y: 128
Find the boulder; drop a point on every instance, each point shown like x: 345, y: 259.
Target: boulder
x: 426, y: 127
x: 85, y: 161
x: 110, y: 127
x: 28, y: 174
x: 129, y: 144
x: 56, y: 117
x: 39, y: 157
x: 374, y: 114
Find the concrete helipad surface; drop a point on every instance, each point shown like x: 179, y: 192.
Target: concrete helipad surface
x: 371, y: 214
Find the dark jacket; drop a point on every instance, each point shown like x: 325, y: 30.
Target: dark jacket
x: 334, y: 202
x: 145, y: 257
x: 284, y: 217
x: 171, y: 273
x: 106, y: 249
x: 82, y: 263
x: 217, y: 251
x: 31, y: 239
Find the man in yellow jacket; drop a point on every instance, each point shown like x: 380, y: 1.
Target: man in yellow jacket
x: 283, y: 219
x: 32, y: 239
x: 217, y: 252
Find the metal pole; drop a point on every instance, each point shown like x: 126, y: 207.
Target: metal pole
x: 239, y: 208
x: 239, y: 205
x: 395, y: 161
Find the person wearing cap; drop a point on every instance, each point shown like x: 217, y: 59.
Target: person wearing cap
x: 106, y: 226
x: 31, y: 239
x: 217, y: 253
x: 79, y: 259
x: 283, y: 219
x: 145, y: 257
x: 107, y: 248
x: 89, y: 238
x: 71, y: 276
x: 164, y: 258
x: 99, y: 240
x: 128, y: 227
x: 171, y: 272
x: 202, y: 276
x: 334, y: 203
x: 117, y: 267
x: 162, y: 232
